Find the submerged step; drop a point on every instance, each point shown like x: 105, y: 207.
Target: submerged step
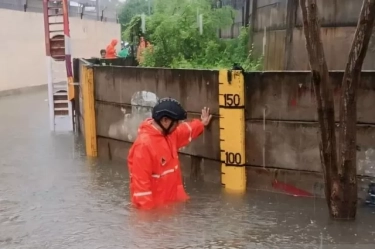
x: 61, y: 87
x: 60, y: 94
x: 61, y: 101
x: 61, y: 109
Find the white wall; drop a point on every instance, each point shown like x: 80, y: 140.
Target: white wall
x: 22, y: 47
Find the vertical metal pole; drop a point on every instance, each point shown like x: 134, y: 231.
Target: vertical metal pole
x: 291, y: 13
x: 264, y: 40
x: 46, y: 28
x: 49, y: 66
x: 97, y: 10
x: 68, y: 53
x: 220, y: 5
x: 197, y: 17
x: 254, y: 8
x: 143, y: 23
x: 201, y: 24
x: 247, y: 13
x: 68, y: 61
x: 50, y: 93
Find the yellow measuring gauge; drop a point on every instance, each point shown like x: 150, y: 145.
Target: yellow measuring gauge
x: 232, y: 129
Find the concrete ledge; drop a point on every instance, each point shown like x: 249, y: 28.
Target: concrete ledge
x: 23, y: 90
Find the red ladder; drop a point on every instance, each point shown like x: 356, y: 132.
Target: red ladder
x: 55, y: 20
x: 54, y: 29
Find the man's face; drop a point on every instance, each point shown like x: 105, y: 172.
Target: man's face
x: 102, y: 54
x: 166, y: 122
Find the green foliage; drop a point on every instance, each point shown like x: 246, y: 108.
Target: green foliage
x: 131, y: 8
x: 240, y: 51
x: 132, y: 30
x: 173, y: 31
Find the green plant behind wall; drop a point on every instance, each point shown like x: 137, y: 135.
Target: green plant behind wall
x: 131, y: 8
x: 173, y: 31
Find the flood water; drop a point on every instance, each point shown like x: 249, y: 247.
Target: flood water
x: 51, y: 196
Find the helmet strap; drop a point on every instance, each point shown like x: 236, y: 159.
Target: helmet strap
x: 170, y: 126
x: 166, y: 131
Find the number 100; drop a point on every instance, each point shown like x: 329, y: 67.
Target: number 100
x: 233, y: 158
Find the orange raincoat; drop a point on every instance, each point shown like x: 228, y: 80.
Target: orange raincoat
x: 143, y: 44
x: 111, y: 50
x: 155, y: 174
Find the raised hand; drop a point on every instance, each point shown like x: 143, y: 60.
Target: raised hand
x: 206, y: 117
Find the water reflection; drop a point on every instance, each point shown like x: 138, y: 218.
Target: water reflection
x: 52, y: 196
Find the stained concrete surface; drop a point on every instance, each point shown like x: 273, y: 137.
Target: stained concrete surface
x: 281, y: 122
x: 52, y: 196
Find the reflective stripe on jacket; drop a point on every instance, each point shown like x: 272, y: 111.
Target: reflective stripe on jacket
x: 154, y: 169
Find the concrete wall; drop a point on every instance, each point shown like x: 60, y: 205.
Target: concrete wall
x: 278, y: 34
x: 336, y: 42
x: 281, y: 121
x: 22, y: 46
x: 125, y: 96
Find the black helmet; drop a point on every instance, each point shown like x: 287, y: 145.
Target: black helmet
x: 170, y: 108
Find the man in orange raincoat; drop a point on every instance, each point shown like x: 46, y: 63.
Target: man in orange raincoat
x: 155, y: 174
x: 111, y: 50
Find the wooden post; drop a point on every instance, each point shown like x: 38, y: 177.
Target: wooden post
x: 89, y: 111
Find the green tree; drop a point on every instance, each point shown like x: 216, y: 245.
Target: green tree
x: 131, y: 8
x: 173, y: 30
